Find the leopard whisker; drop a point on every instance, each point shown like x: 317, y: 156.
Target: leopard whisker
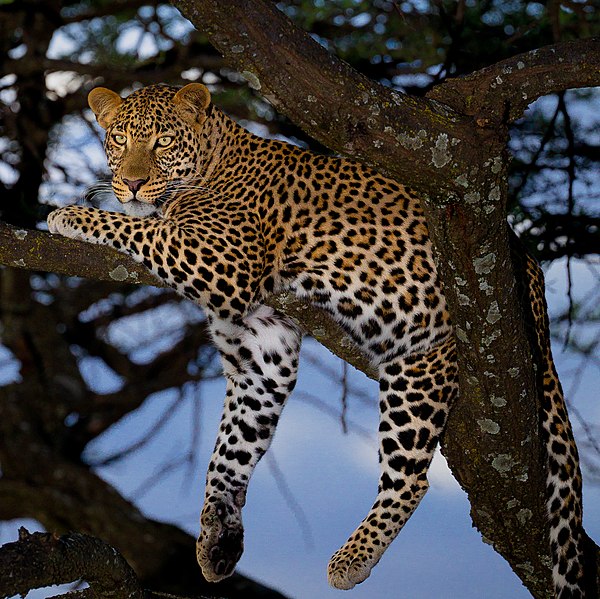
x: 94, y: 194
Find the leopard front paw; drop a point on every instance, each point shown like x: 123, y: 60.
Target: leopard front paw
x: 62, y: 222
x: 221, y: 541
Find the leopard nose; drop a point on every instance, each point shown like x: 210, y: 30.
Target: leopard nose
x: 134, y: 184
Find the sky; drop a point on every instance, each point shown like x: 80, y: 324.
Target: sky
x: 332, y: 476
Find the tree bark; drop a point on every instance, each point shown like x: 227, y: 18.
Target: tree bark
x: 35, y: 250
x: 39, y: 560
x: 451, y: 148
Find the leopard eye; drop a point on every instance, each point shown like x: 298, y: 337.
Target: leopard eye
x: 120, y: 139
x: 164, y: 140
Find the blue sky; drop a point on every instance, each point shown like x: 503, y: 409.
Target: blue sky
x: 333, y: 477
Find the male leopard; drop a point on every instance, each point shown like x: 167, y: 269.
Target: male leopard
x: 227, y: 218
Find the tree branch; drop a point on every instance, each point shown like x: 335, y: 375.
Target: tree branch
x: 43, y: 559
x: 146, y: 73
x: 335, y: 104
x: 506, y: 88
x: 40, y: 559
x: 35, y: 250
x: 353, y: 115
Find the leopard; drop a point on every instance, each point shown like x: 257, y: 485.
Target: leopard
x: 227, y: 219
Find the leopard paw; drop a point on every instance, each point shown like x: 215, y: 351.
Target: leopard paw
x: 54, y: 221
x: 349, y: 567
x: 221, y: 541
x: 61, y: 222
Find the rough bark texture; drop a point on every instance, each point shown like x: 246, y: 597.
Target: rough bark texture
x: 43, y: 559
x: 504, y: 90
x: 46, y: 559
x: 34, y: 250
x: 451, y: 148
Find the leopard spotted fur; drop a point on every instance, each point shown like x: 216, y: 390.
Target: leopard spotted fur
x: 227, y: 218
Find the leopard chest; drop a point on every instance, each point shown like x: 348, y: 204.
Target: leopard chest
x: 375, y: 276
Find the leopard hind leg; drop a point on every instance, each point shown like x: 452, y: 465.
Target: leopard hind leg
x: 415, y: 396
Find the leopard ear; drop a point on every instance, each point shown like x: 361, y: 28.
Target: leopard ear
x: 104, y: 104
x: 191, y: 102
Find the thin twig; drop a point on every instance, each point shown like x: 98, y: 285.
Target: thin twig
x: 195, y: 433
x: 291, y: 501
x: 148, y: 437
x: 344, y: 397
x: 333, y: 413
x: 548, y: 134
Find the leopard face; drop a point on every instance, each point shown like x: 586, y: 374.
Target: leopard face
x: 153, y: 139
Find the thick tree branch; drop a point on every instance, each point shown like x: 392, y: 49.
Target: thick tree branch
x: 35, y: 250
x: 39, y: 559
x: 353, y: 115
x: 338, y: 106
x: 506, y: 88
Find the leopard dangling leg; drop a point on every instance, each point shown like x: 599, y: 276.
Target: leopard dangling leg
x: 260, y: 361
x: 259, y: 349
x: 415, y: 396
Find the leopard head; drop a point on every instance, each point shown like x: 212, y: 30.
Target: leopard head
x: 153, y: 138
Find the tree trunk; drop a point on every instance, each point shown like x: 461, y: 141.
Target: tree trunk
x: 451, y: 149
